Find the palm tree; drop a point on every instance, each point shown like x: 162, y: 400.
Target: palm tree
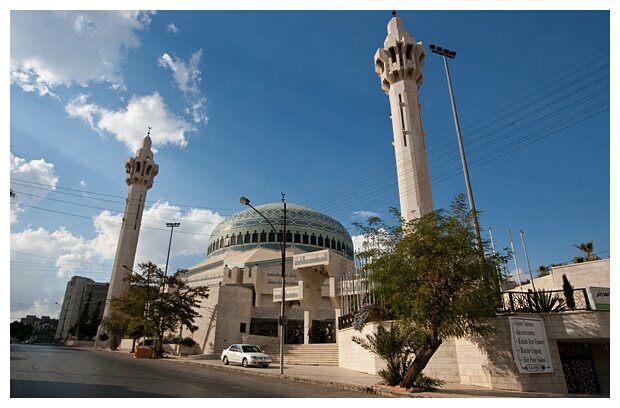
x: 588, y: 249
x: 543, y: 270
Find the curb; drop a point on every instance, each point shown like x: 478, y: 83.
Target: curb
x: 347, y: 387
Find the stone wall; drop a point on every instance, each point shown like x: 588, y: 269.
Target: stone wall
x: 580, y: 275
x: 352, y: 356
x: 489, y: 361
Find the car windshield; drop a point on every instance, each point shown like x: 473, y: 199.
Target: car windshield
x: 250, y: 349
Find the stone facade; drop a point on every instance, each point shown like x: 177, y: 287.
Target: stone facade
x: 489, y: 361
x: 243, y: 271
x: 580, y: 275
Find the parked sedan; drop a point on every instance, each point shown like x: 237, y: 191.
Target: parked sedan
x: 246, y: 355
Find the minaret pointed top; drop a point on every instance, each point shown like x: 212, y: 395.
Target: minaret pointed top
x: 396, y: 28
x: 147, y: 142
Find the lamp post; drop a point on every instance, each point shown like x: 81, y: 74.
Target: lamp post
x: 282, y: 319
x: 170, y: 225
x: 451, y: 54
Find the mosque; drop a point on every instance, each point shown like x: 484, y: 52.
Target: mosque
x: 243, y: 271
x: 284, y: 267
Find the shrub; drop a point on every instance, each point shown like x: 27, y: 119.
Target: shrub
x: 396, y: 347
x: 428, y: 383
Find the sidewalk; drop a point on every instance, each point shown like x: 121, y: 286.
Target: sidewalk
x: 357, y: 381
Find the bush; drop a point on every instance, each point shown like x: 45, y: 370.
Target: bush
x: 396, y: 347
x: 428, y: 383
x: 186, y: 341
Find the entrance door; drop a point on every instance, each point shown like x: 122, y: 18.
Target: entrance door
x: 578, y: 367
x: 323, y: 331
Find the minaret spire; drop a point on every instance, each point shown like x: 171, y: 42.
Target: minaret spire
x: 140, y: 171
x: 399, y: 65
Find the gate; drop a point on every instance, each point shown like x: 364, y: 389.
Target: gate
x: 578, y: 367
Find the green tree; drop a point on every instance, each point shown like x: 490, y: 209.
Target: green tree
x: 587, y: 248
x: 429, y: 272
x: 161, y: 302
x: 396, y: 347
x: 543, y: 270
x: 569, y: 292
x: 93, y: 322
x: 114, y: 327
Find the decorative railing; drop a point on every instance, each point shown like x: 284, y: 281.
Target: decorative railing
x: 345, y: 321
x: 544, y: 301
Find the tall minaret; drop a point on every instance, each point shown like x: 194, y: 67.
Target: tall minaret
x: 399, y: 65
x: 139, y: 174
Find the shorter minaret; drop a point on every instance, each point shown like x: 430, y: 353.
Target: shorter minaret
x: 399, y: 65
x: 139, y: 174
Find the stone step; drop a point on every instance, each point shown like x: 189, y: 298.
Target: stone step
x: 305, y: 354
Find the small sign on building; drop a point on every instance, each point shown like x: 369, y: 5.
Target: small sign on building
x: 530, y: 346
x: 309, y: 259
x: 599, y: 298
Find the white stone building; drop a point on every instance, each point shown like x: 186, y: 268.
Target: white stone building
x: 243, y: 271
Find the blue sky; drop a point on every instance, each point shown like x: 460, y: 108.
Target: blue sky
x: 256, y: 103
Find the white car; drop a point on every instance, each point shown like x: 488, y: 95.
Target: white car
x: 246, y: 355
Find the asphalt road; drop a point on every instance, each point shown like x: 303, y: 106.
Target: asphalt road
x: 47, y: 371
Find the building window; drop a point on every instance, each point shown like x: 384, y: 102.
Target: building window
x: 304, y: 238
x: 272, y: 236
x: 297, y: 237
x: 312, y: 239
x: 242, y: 327
x: 263, y: 236
x: 255, y: 236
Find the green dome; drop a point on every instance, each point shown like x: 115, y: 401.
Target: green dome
x: 306, y: 229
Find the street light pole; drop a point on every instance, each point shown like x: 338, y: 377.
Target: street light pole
x: 451, y: 54
x: 282, y: 319
x: 170, y: 225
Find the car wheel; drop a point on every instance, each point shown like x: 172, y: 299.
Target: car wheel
x: 225, y: 360
x: 244, y: 362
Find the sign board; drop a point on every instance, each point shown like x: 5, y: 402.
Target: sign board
x: 599, y: 297
x: 311, y: 259
x: 291, y: 293
x: 530, y: 346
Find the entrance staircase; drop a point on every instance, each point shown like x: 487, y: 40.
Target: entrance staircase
x: 305, y: 354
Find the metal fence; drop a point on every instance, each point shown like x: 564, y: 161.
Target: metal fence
x: 544, y: 301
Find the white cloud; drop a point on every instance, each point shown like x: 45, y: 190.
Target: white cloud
x: 358, y: 242
x: 187, y: 78
x: 53, y: 257
x: 186, y: 75
x: 31, y: 181
x: 129, y: 125
x: 54, y: 48
x: 364, y: 215
x: 172, y: 28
